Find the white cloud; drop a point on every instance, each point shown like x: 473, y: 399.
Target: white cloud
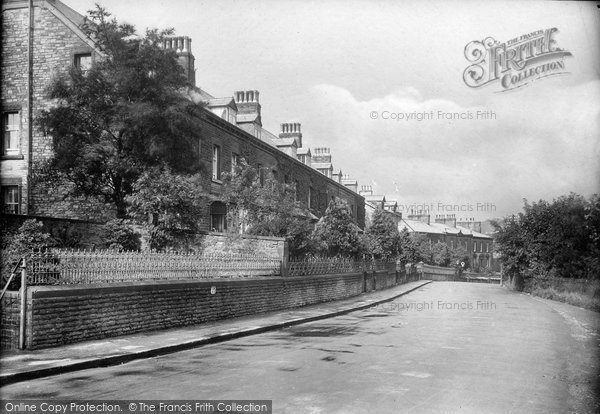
x: 543, y: 143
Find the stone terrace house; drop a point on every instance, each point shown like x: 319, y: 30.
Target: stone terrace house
x: 479, y: 247
x: 54, y: 44
x: 231, y: 127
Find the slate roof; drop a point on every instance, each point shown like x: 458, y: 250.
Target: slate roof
x: 418, y: 227
x: 226, y: 101
x: 285, y: 142
x: 322, y: 165
x: 437, y: 228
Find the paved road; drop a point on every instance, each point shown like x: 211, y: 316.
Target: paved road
x: 448, y: 347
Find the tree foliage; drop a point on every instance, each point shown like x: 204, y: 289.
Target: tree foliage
x: 336, y: 234
x: 125, y: 114
x: 171, y: 205
x: 441, y: 255
x: 266, y: 208
x: 383, y: 235
x: 119, y: 235
x: 16, y: 244
x: 558, y: 238
x: 414, y: 247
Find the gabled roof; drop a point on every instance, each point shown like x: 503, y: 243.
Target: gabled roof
x: 322, y: 165
x: 68, y: 12
x: 217, y: 102
x: 286, y: 142
x: 375, y: 198
x: 73, y: 20
x: 304, y: 151
x: 245, y: 118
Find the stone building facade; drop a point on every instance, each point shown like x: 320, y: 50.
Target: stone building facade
x: 479, y: 247
x: 31, y: 59
x: 41, y: 42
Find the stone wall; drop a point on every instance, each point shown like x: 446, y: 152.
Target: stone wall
x: 10, y: 319
x: 67, y: 314
x: 59, y: 315
x: 55, y: 46
x: 216, y: 243
x: 13, y: 169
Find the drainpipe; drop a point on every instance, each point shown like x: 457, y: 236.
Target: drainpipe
x: 29, y: 103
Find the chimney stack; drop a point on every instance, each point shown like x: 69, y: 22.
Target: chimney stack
x: 292, y: 130
x: 182, y: 46
x: 366, y: 190
x: 321, y: 154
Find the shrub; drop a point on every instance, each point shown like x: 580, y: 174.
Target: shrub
x: 118, y: 234
x: 30, y: 236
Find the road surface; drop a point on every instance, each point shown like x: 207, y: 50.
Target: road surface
x: 447, y: 347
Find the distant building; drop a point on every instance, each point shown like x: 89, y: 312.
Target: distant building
x: 479, y: 247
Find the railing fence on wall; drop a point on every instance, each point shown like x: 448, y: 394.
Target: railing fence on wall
x: 324, y: 266
x: 72, y: 267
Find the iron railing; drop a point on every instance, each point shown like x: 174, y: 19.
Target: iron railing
x: 75, y: 267
x: 68, y: 267
x: 324, y: 266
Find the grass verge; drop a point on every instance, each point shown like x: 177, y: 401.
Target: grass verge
x: 578, y: 292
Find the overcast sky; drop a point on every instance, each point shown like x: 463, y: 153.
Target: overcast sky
x: 331, y: 64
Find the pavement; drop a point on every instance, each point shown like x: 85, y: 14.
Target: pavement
x: 17, y: 366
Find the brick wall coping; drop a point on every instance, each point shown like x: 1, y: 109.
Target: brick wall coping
x: 244, y: 236
x: 45, y: 218
x: 76, y: 290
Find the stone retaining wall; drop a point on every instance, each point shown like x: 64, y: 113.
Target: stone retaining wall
x: 58, y: 315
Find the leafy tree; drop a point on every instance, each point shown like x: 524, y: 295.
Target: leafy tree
x: 336, y: 235
x: 125, y: 114
x: 513, y: 247
x: 266, y: 208
x: 383, y: 236
x: 592, y: 220
x: 171, y: 205
x: 414, y: 247
x: 555, y: 238
x: 441, y: 254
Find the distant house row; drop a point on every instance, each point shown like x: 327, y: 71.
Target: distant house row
x: 445, y: 229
